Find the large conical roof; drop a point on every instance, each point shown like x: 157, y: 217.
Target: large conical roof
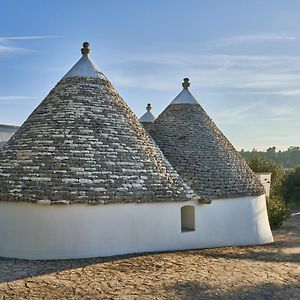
x: 199, y: 151
x: 83, y: 144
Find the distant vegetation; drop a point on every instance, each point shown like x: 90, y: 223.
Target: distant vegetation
x: 291, y: 188
x: 285, y: 180
x: 288, y: 159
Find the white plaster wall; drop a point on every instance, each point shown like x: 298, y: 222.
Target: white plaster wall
x: 35, y: 231
x: 234, y: 222
x: 6, y: 132
x: 265, y: 179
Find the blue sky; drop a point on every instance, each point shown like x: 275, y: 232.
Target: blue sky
x: 242, y: 58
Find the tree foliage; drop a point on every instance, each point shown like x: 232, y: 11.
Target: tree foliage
x: 277, y: 211
x: 260, y: 164
x: 291, y: 187
x: 287, y: 159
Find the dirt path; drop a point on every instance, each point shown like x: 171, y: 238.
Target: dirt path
x: 262, y: 272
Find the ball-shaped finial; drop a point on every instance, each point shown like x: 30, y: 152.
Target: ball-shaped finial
x: 148, y: 108
x: 85, y: 50
x: 185, y: 83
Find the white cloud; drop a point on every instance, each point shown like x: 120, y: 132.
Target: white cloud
x: 253, y: 38
x: 9, y: 49
x: 239, y: 112
x: 15, y: 99
x: 233, y: 74
x: 255, y: 93
x: 6, y: 47
x: 27, y: 37
x: 5, y: 98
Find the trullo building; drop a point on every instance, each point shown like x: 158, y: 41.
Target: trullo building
x: 208, y: 162
x: 82, y: 178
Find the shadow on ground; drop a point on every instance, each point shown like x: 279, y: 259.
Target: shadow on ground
x: 20, y: 269
x: 193, y: 290
x: 265, y: 256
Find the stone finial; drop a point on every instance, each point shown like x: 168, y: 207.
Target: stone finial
x: 186, y: 83
x: 148, y: 108
x: 85, y: 50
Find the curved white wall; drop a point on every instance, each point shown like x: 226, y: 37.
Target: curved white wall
x: 35, y: 231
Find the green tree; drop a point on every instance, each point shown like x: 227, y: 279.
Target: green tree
x: 277, y: 211
x: 291, y: 187
x: 263, y: 165
x: 271, y: 149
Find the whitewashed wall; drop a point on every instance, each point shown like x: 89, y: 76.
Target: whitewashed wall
x: 35, y: 231
x: 265, y: 179
x: 6, y: 132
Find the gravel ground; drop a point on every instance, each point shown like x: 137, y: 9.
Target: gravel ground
x: 262, y: 272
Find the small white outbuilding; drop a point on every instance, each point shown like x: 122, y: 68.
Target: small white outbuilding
x: 265, y: 180
x: 6, y: 132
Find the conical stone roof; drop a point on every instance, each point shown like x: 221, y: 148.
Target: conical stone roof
x: 199, y: 151
x: 147, y: 118
x: 83, y: 144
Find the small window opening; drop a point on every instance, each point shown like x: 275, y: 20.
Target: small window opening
x: 187, y: 218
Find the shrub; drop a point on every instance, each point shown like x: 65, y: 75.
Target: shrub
x: 291, y: 188
x: 261, y: 164
x: 277, y: 211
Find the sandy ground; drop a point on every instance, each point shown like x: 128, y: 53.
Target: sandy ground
x: 263, y: 272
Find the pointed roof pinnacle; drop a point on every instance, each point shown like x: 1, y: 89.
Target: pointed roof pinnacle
x: 186, y: 83
x: 147, y: 117
x: 185, y: 96
x: 149, y: 107
x: 85, y: 50
x: 85, y: 67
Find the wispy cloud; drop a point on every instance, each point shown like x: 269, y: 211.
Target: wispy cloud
x: 10, y: 49
x: 7, y: 98
x: 252, y: 74
x: 15, y: 99
x: 236, y: 113
x: 7, y: 42
x: 255, y: 93
x: 253, y: 38
x: 27, y: 37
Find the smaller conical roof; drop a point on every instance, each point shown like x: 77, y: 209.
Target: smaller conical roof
x: 199, y: 151
x: 147, y: 117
